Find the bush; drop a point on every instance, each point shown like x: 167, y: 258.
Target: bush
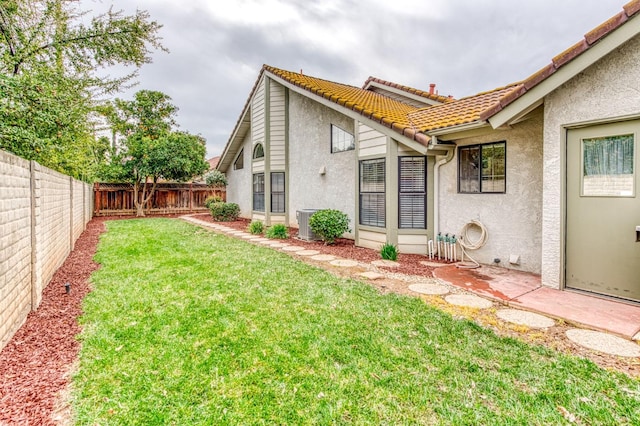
x: 389, y: 252
x: 329, y: 224
x: 213, y: 199
x: 277, y: 231
x: 215, y: 178
x: 256, y: 227
x: 224, y: 212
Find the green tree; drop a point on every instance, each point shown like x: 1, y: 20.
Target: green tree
x: 49, y: 82
x: 151, y: 149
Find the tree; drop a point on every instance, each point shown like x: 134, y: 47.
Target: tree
x: 49, y: 82
x: 152, y: 151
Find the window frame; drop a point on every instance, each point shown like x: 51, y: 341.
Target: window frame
x: 256, y: 194
x: 378, y: 223
x: 480, y: 178
x: 275, y: 195
x: 350, y: 147
x: 258, y: 155
x: 238, y: 163
x: 422, y: 194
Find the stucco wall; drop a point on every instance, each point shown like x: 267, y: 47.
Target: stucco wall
x: 513, y: 219
x: 309, y: 151
x: 607, y: 89
x: 239, y: 183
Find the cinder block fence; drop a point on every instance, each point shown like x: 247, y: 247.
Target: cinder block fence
x: 42, y: 214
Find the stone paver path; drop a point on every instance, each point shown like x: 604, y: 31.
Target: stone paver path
x: 308, y: 252
x: 293, y: 248
x: 323, y: 257
x: 429, y: 288
x: 385, y: 263
x: 469, y: 301
x: 370, y: 275
x: 603, y: 342
x: 530, y: 319
x: 345, y: 263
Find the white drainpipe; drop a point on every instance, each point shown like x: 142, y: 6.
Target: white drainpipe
x: 444, y: 159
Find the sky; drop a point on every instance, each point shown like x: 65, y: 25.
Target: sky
x: 218, y: 47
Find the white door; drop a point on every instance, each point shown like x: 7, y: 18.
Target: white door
x: 603, y: 210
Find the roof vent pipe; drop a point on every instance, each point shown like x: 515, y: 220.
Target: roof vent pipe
x: 432, y: 88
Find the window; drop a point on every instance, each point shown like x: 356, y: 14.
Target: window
x: 372, y: 192
x: 607, y: 164
x: 258, y: 192
x: 412, y: 197
x: 341, y: 140
x: 482, y: 168
x: 277, y: 192
x: 258, y: 151
x: 239, y: 163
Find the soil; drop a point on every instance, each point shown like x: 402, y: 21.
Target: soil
x: 36, y: 363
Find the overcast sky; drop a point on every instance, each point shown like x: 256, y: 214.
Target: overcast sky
x: 218, y: 47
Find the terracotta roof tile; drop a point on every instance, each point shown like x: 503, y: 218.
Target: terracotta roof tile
x: 569, y: 54
x: 606, y: 27
x: 407, y: 89
x: 632, y: 8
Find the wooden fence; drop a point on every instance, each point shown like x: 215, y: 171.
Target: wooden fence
x: 169, y: 198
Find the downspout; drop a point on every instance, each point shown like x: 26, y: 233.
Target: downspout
x: 440, y: 161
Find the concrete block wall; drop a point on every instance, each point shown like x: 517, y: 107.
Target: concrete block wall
x: 42, y: 213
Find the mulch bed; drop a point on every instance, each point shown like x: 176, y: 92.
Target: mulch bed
x: 35, y: 365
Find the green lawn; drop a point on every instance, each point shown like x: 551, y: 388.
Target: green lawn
x: 188, y: 327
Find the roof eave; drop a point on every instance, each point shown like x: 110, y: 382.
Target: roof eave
x: 557, y: 77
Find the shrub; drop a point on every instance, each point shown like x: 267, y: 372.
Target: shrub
x: 215, y: 178
x: 224, y: 212
x: 277, y: 231
x: 329, y: 224
x: 389, y: 252
x: 256, y: 227
x: 211, y: 200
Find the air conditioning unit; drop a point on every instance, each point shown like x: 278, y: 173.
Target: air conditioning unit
x: 304, y: 230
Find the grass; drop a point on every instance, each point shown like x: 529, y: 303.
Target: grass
x: 189, y: 327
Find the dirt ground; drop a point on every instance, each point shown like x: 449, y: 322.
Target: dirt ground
x: 35, y: 365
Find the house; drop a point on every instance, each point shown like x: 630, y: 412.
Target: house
x: 543, y: 171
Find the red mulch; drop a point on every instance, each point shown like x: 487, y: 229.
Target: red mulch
x: 35, y: 363
x: 345, y: 248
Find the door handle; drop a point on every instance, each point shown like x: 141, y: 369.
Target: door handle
x: 637, y: 234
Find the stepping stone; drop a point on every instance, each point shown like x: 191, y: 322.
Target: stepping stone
x: 307, y: 252
x: 371, y: 275
x: 432, y: 264
x: 530, y: 319
x: 237, y: 232
x: 323, y: 257
x: 636, y: 337
x: 432, y: 289
x: 604, y: 342
x: 262, y: 240
x: 266, y: 242
x: 278, y: 245
x: 469, y: 301
x: 292, y: 248
x: 344, y: 263
x: 250, y: 237
x: 385, y: 263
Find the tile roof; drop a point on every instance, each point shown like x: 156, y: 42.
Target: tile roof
x: 408, y: 89
x: 414, y: 123
x: 386, y: 111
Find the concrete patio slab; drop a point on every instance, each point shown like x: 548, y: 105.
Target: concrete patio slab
x: 602, y: 314
x: 604, y: 342
x: 529, y: 319
x: 490, y: 281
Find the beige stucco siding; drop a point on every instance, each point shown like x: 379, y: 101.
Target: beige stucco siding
x: 310, y: 152
x: 239, y: 189
x: 513, y: 219
x: 607, y: 90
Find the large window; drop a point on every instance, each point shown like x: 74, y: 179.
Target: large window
x: 482, y: 168
x: 372, y: 192
x: 341, y: 140
x: 277, y: 192
x: 412, y: 197
x: 239, y: 163
x: 258, y: 192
